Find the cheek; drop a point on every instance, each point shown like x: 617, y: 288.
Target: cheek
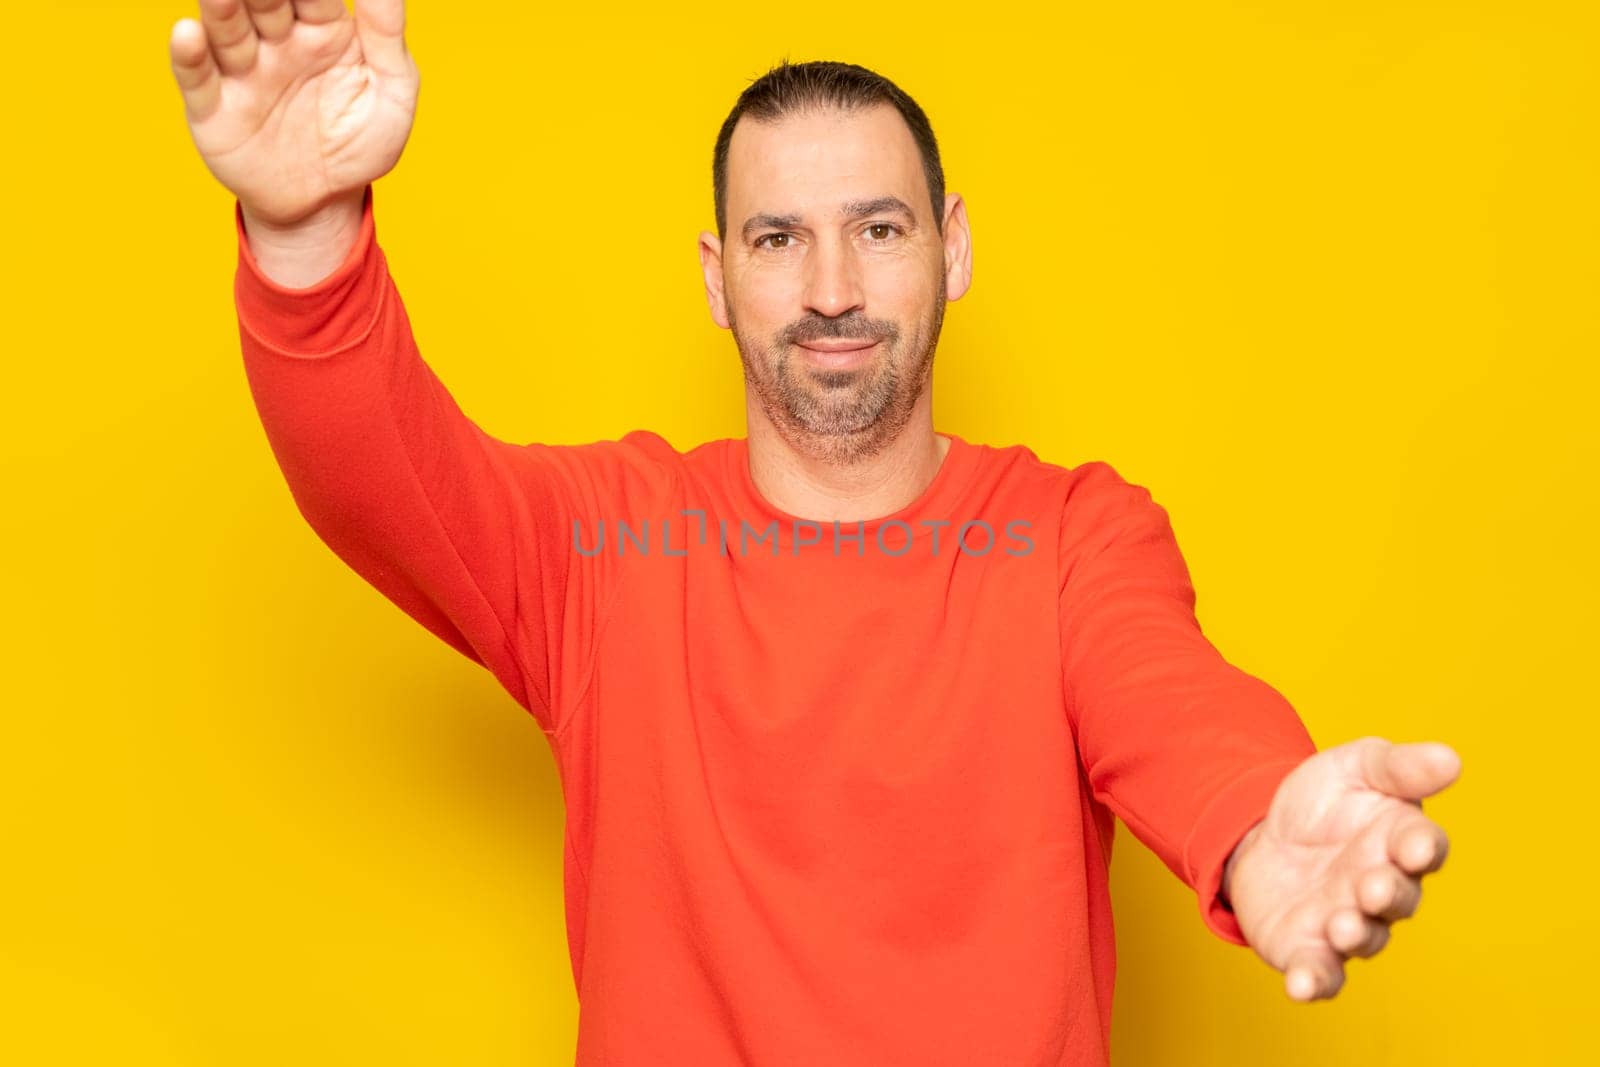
x: 903, y: 292
x: 764, y: 304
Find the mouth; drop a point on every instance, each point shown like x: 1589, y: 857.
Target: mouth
x: 836, y: 354
x: 837, y: 345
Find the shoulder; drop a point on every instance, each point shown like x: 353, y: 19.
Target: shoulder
x: 638, y: 467
x: 1092, y: 504
x: 1089, y: 492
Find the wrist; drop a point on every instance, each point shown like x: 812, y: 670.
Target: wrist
x: 1244, y: 845
x: 301, y: 253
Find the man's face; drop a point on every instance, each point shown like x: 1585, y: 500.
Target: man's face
x: 833, y: 275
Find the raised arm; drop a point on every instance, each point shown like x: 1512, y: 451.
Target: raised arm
x: 297, y: 109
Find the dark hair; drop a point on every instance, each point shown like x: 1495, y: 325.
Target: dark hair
x: 793, y: 87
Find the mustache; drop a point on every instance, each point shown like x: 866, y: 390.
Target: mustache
x: 822, y: 328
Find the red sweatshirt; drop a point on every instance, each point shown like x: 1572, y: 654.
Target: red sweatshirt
x: 835, y: 793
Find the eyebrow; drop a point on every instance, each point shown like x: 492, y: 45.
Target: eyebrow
x: 849, y: 210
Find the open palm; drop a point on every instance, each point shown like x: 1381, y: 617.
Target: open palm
x: 293, y: 103
x: 1338, y: 857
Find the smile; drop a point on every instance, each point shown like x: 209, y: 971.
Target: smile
x: 837, y: 354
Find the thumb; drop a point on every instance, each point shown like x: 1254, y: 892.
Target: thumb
x: 1410, y: 771
x: 195, y: 68
x: 381, y: 25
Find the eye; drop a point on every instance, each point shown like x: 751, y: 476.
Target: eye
x: 773, y: 237
x: 891, y: 227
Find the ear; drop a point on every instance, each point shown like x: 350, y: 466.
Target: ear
x: 711, y: 268
x: 957, y: 248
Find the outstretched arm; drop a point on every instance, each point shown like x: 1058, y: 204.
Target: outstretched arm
x: 1305, y: 856
x: 1185, y: 747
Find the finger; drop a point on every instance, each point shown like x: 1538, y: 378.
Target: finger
x: 1313, y: 973
x: 232, y: 35
x: 1388, y: 894
x: 1418, y: 845
x: 1354, y: 934
x: 195, y: 68
x: 382, y: 27
x: 1411, y: 771
x: 319, y: 10
x: 273, y: 19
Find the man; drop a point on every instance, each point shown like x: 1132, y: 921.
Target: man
x: 846, y: 796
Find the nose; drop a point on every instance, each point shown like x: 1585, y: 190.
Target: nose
x: 832, y: 279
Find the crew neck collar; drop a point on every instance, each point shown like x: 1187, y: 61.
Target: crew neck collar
x: 934, y: 503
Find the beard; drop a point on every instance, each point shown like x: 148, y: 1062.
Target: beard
x: 842, y: 416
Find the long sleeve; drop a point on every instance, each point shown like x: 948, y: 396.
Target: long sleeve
x: 469, y: 535
x: 1186, y: 748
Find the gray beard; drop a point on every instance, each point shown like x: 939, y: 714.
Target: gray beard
x: 842, y: 417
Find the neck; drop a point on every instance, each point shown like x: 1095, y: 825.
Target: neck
x: 810, y: 486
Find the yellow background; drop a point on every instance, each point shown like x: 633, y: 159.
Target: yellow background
x: 1321, y: 275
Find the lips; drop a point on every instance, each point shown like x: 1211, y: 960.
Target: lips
x: 838, y: 353
x: 837, y: 345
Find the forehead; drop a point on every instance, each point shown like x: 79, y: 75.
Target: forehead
x: 814, y: 160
